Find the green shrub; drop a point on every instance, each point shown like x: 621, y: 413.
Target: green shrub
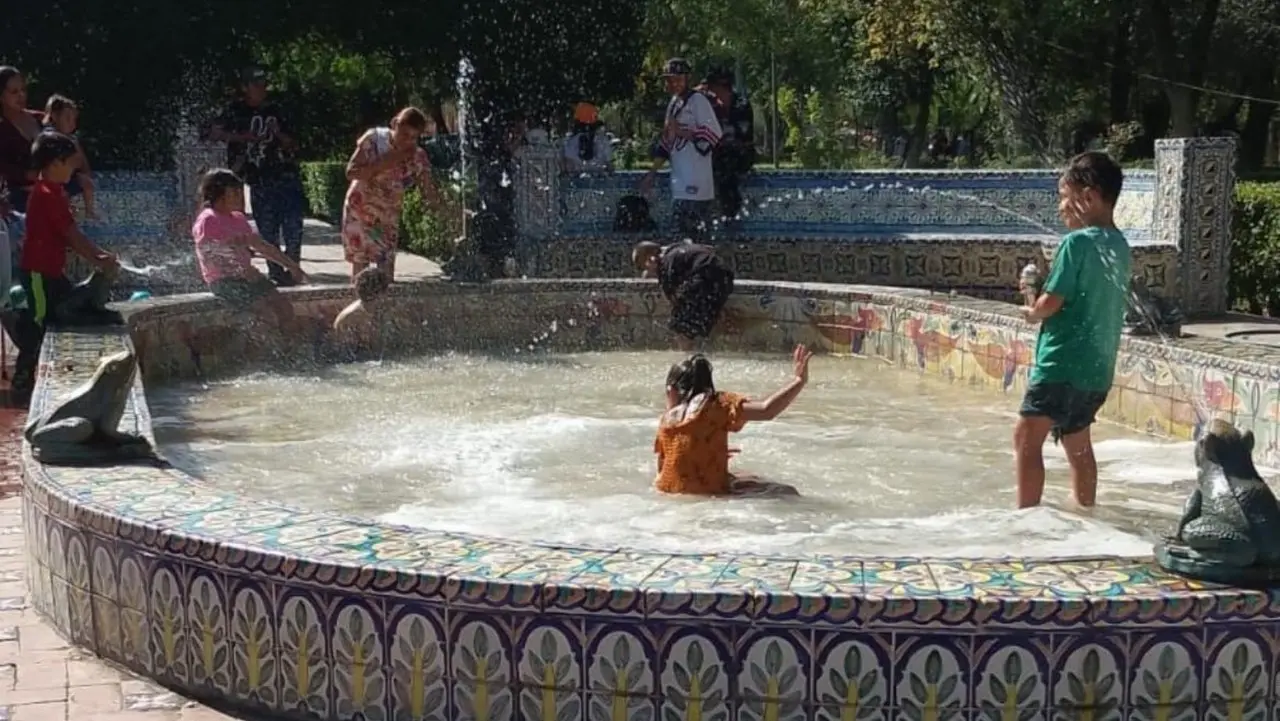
x: 325, y: 185
x: 423, y: 231
x: 1255, y: 249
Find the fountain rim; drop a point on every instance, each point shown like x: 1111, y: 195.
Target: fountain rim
x: 532, y: 579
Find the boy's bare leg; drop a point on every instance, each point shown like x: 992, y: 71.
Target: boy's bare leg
x: 1028, y: 449
x: 687, y: 345
x: 1084, y: 467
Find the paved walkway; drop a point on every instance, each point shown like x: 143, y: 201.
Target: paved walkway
x: 42, y: 678
x: 322, y: 258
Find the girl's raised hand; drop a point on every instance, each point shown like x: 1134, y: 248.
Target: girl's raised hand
x: 800, y: 359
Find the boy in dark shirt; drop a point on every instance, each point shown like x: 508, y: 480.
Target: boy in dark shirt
x: 51, y: 231
x: 695, y: 281
x: 734, y: 157
x: 261, y: 149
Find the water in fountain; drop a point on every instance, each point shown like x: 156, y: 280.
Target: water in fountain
x: 1203, y: 413
x: 560, y: 448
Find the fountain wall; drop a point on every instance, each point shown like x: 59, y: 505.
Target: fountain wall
x: 317, y: 616
x: 968, y: 231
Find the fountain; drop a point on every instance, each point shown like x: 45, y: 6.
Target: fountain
x: 342, y: 605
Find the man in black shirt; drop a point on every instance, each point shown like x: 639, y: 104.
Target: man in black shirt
x: 261, y: 150
x: 694, y: 280
x: 734, y: 157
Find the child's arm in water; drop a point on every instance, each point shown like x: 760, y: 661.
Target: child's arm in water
x: 261, y: 248
x: 774, y: 405
x: 344, y: 316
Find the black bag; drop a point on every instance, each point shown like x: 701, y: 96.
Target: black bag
x: 632, y: 215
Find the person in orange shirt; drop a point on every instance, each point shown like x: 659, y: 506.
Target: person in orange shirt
x: 693, y: 434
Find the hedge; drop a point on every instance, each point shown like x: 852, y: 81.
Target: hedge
x: 1255, y: 249
x: 326, y: 186
x: 421, y: 231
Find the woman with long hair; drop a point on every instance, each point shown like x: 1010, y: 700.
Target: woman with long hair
x: 19, y: 128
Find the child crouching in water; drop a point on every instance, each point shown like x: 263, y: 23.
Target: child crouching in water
x: 226, y: 244
x: 694, y: 280
x: 371, y: 283
x: 693, y: 434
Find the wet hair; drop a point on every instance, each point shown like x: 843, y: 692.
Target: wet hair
x: 412, y: 117
x: 49, y: 148
x: 1095, y: 171
x: 7, y: 73
x: 215, y: 184
x: 691, y: 378
x: 643, y: 251
x: 56, y: 105
x: 371, y: 283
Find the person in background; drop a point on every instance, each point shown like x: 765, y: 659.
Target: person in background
x: 586, y: 147
x: 19, y: 128
x: 689, y: 135
x: 694, y: 280
x: 386, y: 161
x: 693, y: 434
x: 1081, y: 310
x: 225, y: 246
x: 735, y: 155
x: 51, y: 232
x: 12, y: 297
x: 261, y: 150
x: 62, y: 115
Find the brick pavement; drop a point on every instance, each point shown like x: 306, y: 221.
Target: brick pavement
x: 42, y: 678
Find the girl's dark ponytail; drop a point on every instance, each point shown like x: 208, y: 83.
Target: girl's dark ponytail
x: 694, y: 378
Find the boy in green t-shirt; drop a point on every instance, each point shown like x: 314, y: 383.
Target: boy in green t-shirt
x: 1081, y: 308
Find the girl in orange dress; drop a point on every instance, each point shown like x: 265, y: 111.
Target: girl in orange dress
x: 693, y: 434
x: 386, y: 162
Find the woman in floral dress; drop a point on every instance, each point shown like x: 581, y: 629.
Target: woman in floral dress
x: 386, y: 162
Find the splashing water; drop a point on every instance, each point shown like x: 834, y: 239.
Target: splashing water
x: 560, y: 448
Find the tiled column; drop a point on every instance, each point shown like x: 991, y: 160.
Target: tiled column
x: 538, y: 189
x: 1195, y: 185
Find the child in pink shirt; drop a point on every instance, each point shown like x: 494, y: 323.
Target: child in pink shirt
x: 226, y: 244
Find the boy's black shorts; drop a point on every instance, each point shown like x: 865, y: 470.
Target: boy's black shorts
x: 1072, y: 410
x: 698, y: 304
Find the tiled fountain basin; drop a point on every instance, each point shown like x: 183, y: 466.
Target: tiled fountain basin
x: 317, y: 616
x: 981, y: 265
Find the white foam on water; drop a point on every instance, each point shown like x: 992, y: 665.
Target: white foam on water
x: 1136, y: 461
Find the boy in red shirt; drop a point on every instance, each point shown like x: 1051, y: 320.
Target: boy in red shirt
x: 51, y: 232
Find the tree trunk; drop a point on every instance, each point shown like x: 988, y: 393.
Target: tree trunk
x: 920, y: 129
x: 1183, y: 106
x: 1257, y: 124
x: 1121, y: 83
x: 1184, y: 59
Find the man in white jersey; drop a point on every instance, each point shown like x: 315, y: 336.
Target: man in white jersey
x: 689, y: 134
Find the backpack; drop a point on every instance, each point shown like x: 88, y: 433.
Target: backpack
x: 632, y: 215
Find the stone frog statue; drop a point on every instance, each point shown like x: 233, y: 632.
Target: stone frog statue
x: 1149, y: 314
x: 83, y: 428
x: 1230, y: 527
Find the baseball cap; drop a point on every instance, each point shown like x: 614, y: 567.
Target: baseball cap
x: 252, y: 75
x: 676, y: 66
